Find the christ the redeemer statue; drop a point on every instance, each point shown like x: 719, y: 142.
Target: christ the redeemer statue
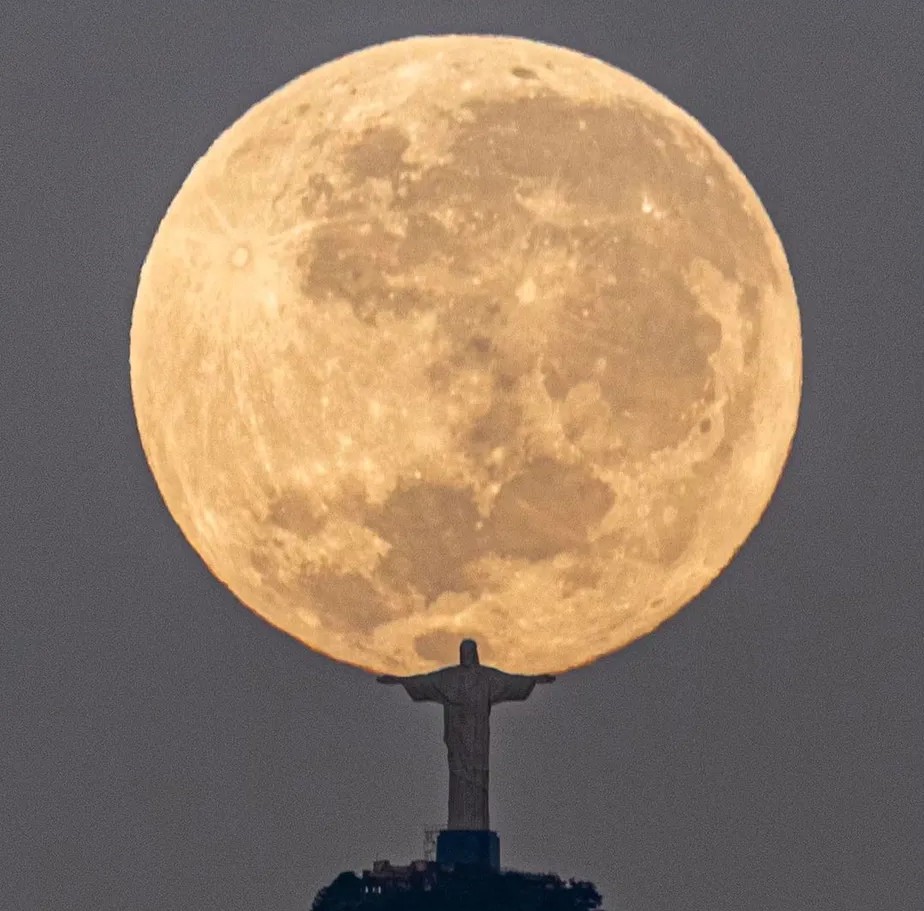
x: 467, y: 691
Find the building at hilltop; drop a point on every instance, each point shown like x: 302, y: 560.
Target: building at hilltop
x: 418, y: 875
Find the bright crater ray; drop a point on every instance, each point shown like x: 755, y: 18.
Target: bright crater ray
x: 466, y: 337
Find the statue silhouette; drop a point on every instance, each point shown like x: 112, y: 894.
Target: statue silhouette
x: 467, y: 691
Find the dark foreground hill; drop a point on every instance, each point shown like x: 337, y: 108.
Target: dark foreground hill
x: 428, y: 887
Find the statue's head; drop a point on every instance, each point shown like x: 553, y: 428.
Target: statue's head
x: 468, y: 653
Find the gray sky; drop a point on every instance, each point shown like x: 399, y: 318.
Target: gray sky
x: 162, y: 747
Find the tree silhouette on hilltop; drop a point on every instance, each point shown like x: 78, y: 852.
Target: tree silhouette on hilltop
x: 462, y: 890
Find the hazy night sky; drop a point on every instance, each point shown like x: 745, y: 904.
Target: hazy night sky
x: 164, y: 748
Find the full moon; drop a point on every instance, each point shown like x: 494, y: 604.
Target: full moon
x: 466, y: 336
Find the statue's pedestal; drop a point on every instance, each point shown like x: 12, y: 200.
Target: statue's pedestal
x: 468, y: 846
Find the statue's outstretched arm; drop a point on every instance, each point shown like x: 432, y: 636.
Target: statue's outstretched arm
x: 514, y: 687
x: 420, y: 687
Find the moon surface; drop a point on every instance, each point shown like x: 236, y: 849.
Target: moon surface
x: 466, y: 336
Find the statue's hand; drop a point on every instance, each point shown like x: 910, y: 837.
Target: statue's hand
x: 545, y: 678
x: 388, y: 678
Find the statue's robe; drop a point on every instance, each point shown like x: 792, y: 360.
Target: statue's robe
x: 467, y: 694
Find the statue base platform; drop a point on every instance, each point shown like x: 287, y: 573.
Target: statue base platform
x: 480, y: 847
